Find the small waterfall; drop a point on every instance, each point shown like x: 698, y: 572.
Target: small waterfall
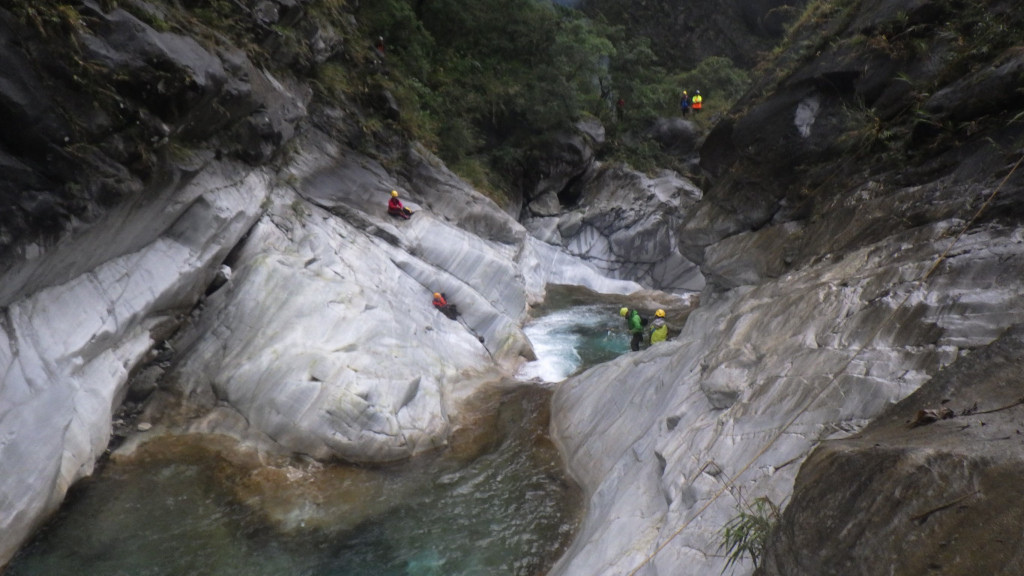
x: 572, y: 339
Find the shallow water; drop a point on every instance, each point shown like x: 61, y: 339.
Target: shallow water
x: 184, y: 509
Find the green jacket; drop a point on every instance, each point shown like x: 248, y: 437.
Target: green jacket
x: 634, y: 323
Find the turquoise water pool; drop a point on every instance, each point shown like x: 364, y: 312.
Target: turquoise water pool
x: 184, y: 509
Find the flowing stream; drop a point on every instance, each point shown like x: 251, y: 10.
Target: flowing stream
x: 570, y: 340
x: 179, y: 505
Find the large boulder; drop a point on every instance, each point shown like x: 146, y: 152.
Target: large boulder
x: 625, y: 225
x: 82, y: 316
x: 561, y: 162
x: 674, y: 135
x: 348, y: 359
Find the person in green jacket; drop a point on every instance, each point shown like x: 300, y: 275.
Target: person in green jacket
x: 659, y: 329
x: 635, y: 324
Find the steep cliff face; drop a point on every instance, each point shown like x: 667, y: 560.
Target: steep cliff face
x: 132, y: 168
x: 102, y: 109
x: 860, y: 230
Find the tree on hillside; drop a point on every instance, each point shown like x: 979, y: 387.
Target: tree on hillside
x: 495, y: 77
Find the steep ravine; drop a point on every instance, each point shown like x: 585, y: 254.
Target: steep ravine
x: 836, y: 281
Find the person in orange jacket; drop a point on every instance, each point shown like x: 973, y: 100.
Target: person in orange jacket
x: 441, y: 303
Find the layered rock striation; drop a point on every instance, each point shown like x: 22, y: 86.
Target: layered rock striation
x: 860, y: 236
x: 941, y: 470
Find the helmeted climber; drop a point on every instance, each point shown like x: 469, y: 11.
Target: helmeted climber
x: 635, y: 325
x: 697, y: 102
x: 659, y: 329
x: 441, y: 303
x: 395, y: 207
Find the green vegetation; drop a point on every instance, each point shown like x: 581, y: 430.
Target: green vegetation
x: 47, y: 19
x: 746, y: 534
x: 955, y: 39
x: 486, y: 84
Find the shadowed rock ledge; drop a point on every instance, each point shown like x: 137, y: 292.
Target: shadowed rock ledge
x: 932, y: 485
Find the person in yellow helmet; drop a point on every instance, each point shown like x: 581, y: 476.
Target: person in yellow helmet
x: 395, y: 207
x: 635, y: 325
x: 659, y: 329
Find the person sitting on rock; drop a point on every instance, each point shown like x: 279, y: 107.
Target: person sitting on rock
x: 635, y: 325
x: 396, y: 209
x: 659, y: 329
x: 441, y: 303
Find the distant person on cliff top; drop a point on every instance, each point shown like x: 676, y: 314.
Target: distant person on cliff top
x: 396, y: 209
x: 697, y: 102
x: 684, y: 103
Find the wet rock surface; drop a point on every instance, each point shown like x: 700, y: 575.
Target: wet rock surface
x: 757, y: 378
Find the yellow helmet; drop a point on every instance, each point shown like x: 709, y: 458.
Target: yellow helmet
x: 437, y: 294
x: 624, y: 311
x: 660, y: 313
x: 394, y: 193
